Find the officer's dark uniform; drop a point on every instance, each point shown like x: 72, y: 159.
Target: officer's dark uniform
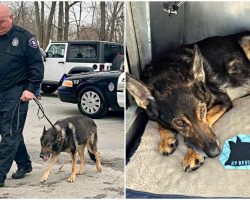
x: 21, y: 68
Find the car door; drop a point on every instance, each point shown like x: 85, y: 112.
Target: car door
x: 55, y: 62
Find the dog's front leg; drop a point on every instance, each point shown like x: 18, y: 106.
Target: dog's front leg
x: 192, y: 161
x: 72, y: 178
x: 168, y: 141
x: 52, y: 162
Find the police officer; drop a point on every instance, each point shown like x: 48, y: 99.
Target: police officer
x: 21, y: 72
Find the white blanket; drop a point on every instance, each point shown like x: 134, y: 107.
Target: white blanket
x: 149, y: 171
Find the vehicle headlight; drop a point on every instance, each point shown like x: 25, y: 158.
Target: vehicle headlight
x: 67, y: 83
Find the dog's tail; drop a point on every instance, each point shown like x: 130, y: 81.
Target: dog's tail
x: 92, y: 146
x: 92, y: 156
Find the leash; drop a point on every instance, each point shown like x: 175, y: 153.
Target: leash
x: 13, y: 115
x: 17, y: 108
x: 40, y: 107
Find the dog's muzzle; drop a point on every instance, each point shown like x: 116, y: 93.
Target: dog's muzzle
x: 45, y: 157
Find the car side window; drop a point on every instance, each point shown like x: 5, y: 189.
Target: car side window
x: 56, y: 51
x: 111, y: 51
x: 83, y: 51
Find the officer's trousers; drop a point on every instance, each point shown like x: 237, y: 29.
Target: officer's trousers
x: 12, y: 148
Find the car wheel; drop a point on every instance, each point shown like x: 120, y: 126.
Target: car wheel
x: 92, y: 103
x: 46, y: 88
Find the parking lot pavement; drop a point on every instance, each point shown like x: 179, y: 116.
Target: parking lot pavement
x: 92, y: 184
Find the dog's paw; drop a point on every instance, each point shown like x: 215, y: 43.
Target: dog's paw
x: 168, y: 145
x: 43, y: 179
x: 71, y: 179
x: 192, y: 161
x: 79, y: 172
x: 99, y: 168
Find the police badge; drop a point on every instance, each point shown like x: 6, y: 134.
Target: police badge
x: 15, y: 42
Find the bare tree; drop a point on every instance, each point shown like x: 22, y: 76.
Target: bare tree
x: 78, y: 20
x: 40, y: 22
x: 49, y: 23
x: 72, y: 20
x: 93, y: 13
x: 66, y: 20
x: 60, y: 22
x: 19, y: 13
x: 103, y: 21
x: 24, y: 15
x: 117, y: 8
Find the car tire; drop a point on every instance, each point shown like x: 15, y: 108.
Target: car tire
x: 118, y: 63
x: 87, y: 107
x: 49, y: 89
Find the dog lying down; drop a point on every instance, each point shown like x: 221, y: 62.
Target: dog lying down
x: 70, y: 135
x: 190, y: 88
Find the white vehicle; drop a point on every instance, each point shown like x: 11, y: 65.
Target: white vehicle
x: 61, y: 57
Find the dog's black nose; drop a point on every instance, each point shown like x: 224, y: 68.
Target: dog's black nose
x: 213, y: 151
x: 41, y: 155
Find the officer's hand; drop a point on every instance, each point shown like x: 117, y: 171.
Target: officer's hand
x: 27, y: 95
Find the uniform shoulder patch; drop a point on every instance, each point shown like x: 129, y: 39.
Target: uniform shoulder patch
x: 33, y: 42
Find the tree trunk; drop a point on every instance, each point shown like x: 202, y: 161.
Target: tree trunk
x: 66, y: 21
x: 23, y: 17
x: 49, y: 23
x: 60, y: 22
x: 116, y: 10
x: 103, y: 21
x: 78, y: 19
x: 38, y: 23
x: 42, y: 24
x: 93, y: 15
x: 112, y: 26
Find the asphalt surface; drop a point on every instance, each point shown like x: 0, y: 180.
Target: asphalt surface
x: 91, y: 184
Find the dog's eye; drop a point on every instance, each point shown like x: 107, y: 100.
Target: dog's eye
x: 180, y: 123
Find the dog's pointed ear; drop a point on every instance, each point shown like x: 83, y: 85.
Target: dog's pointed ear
x: 44, y: 130
x: 139, y: 91
x: 245, y: 44
x: 197, y: 70
x: 142, y: 95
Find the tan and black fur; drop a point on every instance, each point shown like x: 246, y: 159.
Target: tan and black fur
x: 190, y: 88
x: 70, y: 135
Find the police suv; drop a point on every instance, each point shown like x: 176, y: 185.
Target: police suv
x: 61, y: 57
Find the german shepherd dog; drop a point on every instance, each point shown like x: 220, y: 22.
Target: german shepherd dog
x: 70, y: 135
x: 189, y: 89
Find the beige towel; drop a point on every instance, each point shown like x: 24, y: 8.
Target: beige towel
x: 149, y: 171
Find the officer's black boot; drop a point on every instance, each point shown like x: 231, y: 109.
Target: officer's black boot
x: 20, y: 173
